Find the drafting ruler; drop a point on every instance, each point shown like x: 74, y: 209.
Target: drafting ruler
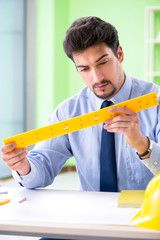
x: 80, y: 122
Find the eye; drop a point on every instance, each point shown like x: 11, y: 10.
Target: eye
x: 104, y: 62
x: 84, y: 69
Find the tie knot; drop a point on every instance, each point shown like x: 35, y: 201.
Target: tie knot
x: 106, y: 103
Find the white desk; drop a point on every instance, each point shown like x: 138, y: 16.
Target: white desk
x: 69, y: 214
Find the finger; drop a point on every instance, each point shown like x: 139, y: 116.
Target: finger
x: 11, y: 163
x: 116, y: 130
x: 18, y: 164
x: 17, y: 158
x: 9, y: 155
x: 121, y: 110
x: 16, y: 152
x: 123, y: 118
x: 118, y: 124
x: 119, y: 118
x: 8, y: 147
x: 121, y: 127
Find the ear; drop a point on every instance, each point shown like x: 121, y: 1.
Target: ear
x: 120, y: 54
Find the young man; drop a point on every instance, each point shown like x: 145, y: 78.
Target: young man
x: 93, y: 46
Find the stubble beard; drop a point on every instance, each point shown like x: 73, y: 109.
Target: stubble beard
x: 107, y: 95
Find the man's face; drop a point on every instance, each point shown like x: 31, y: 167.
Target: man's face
x: 100, y: 69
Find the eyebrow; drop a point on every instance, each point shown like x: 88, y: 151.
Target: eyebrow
x: 104, y: 55
x: 83, y: 66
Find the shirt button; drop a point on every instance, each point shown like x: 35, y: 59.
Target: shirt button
x: 155, y: 163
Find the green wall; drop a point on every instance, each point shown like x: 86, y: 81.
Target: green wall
x: 61, y: 73
x: 157, y: 47
x: 52, y: 66
x: 45, y: 55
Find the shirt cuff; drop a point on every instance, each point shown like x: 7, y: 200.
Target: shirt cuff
x: 153, y: 162
x: 29, y: 180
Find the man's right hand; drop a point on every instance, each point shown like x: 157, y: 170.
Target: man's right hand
x: 16, y: 159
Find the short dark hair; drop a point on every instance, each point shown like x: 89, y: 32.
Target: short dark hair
x: 88, y: 31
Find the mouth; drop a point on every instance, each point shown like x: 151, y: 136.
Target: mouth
x: 101, y: 87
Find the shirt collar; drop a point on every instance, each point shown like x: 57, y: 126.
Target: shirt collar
x: 122, y: 95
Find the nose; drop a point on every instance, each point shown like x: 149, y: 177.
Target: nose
x: 97, y: 76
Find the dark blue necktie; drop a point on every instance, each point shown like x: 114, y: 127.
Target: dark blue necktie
x: 108, y: 173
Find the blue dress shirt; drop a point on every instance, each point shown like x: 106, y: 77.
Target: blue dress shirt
x: 48, y: 157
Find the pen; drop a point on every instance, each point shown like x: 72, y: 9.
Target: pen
x: 3, y: 192
x: 22, y: 200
